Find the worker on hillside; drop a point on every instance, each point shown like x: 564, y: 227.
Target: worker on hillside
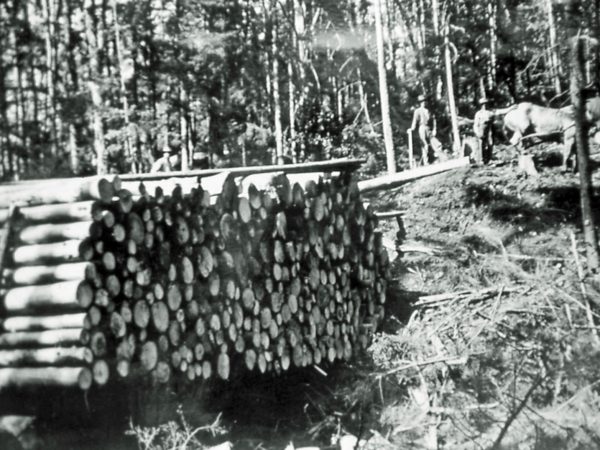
x: 424, y: 122
x: 482, y: 128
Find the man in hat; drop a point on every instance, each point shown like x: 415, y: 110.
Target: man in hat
x: 170, y: 160
x: 424, y: 122
x: 482, y: 128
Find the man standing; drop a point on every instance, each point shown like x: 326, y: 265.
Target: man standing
x: 482, y: 128
x: 425, y: 122
x: 171, y: 160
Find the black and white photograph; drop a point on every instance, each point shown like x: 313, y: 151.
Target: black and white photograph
x: 299, y: 224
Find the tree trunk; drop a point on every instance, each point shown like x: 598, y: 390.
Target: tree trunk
x: 122, y: 88
x: 363, y: 100
x: 48, y: 7
x: 421, y: 22
x: 94, y: 89
x: 20, y: 116
x: 450, y: 88
x: 5, y: 136
x: 98, y: 128
x: 186, y: 155
x: 597, y: 36
x: 435, y: 13
x: 492, y: 18
x: 385, y: 13
x: 72, y: 146
x: 383, y: 93
x: 554, y: 49
x: 585, y: 179
x: 276, y: 97
x: 71, y: 48
x: 292, y: 113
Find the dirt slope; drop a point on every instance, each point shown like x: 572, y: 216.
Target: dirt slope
x: 513, y: 364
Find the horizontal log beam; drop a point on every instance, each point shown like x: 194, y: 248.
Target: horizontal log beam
x: 65, y: 295
x: 38, y: 234
x: 57, y: 191
x: 38, y: 323
x: 28, y: 377
x: 166, y: 184
x: 336, y: 164
x: 389, y: 214
x: 43, y: 274
x: 398, y: 179
x: 36, y: 254
x: 49, y: 338
x: 45, y: 356
x: 62, y: 212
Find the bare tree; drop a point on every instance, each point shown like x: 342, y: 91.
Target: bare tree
x: 275, y: 92
x: 450, y: 88
x: 94, y: 88
x: 585, y: 179
x: 383, y: 92
x: 122, y: 89
x: 555, y: 69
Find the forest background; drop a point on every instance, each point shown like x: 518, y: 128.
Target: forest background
x: 107, y: 85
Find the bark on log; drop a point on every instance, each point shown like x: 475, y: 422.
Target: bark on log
x: 28, y: 275
x: 27, y: 377
x: 55, y: 252
x: 66, y: 294
x: 39, y: 234
x: 54, y: 356
x: 58, y: 191
x: 48, y: 338
x: 392, y: 181
x: 36, y: 323
x: 63, y: 212
x: 343, y: 164
x: 186, y: 184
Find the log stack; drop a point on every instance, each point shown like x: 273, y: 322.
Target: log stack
x: 188, y: 279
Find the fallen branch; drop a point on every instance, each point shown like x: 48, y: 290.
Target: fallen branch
x: 588, y: 308
x: 538, y: 135
x: 516, y: 412
x: 477, y: 407
x: 416, y: 248
x: 389, y: 214
x: 434, y: 300
x: 407, y: 248
x: 450, y: 360
x: 529, y: 257
x: 569, y: 297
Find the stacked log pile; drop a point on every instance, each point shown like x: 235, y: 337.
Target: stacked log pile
x: 180, y: 280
